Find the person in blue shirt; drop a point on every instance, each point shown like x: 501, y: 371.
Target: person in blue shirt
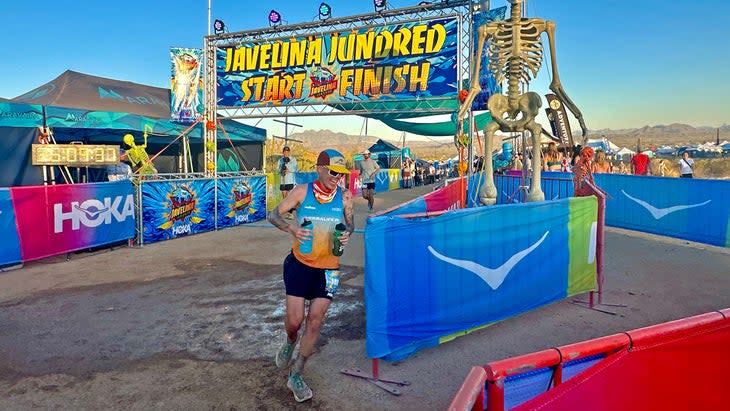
x: 312, y: 272
x: 121, y: 170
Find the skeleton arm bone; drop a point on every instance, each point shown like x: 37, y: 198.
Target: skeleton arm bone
x: 556, y: 86
x: 146, y: 127
x: 484, y: 33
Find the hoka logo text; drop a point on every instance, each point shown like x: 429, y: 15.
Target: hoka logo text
x: 93, y: 213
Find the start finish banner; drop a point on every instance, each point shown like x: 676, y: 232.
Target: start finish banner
x: 405, y: 61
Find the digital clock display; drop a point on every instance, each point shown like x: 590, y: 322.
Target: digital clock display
x: 77, y: 155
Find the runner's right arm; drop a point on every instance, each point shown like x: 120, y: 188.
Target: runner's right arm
x: 292, y: 201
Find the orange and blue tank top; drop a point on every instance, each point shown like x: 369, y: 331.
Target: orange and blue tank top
x: 324, y: 218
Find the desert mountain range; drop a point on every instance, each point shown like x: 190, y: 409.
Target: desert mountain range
x: 672, y: 134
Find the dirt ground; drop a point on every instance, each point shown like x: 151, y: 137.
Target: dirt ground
x: 194, y: 323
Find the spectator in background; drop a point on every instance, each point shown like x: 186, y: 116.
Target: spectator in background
x: 582, y: 173
x: 552, y: 158
x: 601, y: 165
x: 686, y: 166
x: 287, y: 166
x: 517, y: 162
x: 368, y: 170
x: 640, y: 164
x: 406, y: 173
x: 566, y: 163
x: 121, y: 170
x: 622, y: 167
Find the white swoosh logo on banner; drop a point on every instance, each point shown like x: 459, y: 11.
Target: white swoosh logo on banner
x: 91, y: 214
x: 658, y: 213
x: 492, y: 276
x: 382, y: 178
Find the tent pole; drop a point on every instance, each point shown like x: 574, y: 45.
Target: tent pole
x: 185, y: 154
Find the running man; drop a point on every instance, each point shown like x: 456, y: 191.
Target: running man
x: 369, y: 168
x: 312, y: 275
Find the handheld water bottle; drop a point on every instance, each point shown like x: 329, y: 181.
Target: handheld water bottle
x: 338, y: 248
x: 305, y: 247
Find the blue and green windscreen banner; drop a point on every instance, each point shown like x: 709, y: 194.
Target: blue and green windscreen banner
x: 429, y: 280
x: 406, y: 61
x: 241, y: 200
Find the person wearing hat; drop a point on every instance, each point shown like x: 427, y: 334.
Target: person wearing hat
x: 369, y: 168
x: 312, y: 274
x: 121, y: 170
x: 287, y: 166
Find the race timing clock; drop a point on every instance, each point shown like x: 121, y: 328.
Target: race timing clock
x: 76, y: 155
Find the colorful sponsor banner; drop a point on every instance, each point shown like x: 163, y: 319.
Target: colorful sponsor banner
x: 394, y: 178
x: 355, y: 183
x: 10, y: 244
x: 382, y: 181
x: 404, y: 61
x: 62, y: 218
x: 559, y: 120
x: 177, y: 208
x: 186, y: 86
x: 241, y: 200
x: 445, y: 198
x: 487, y: 82
x: 470, y: 268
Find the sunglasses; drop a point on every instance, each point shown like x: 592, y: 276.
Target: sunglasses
x: 334, y: 173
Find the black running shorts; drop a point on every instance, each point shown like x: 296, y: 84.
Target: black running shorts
x: 308, y: 282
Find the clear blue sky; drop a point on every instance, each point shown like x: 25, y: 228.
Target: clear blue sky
x: 625, y: 64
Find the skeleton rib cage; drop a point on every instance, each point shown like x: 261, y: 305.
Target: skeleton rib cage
x: 516, y: 62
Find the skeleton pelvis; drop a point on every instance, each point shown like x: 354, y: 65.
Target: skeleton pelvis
x: 508, y: 115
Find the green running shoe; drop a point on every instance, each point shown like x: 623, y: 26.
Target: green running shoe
x: 301, y: 390
x: 284, y: 354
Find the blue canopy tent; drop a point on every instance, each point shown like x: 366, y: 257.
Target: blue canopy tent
x: 96, y: 110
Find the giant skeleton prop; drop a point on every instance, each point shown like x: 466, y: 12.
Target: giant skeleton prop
x: 515, y: 54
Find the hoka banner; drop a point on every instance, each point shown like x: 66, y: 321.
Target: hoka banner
x: 10, y: 245
x: 404, y: 61
x: 472, y: 267
x: 62, y: 218
x: 241, y: 200
x: 445, y: 198
x: 177, y: 208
